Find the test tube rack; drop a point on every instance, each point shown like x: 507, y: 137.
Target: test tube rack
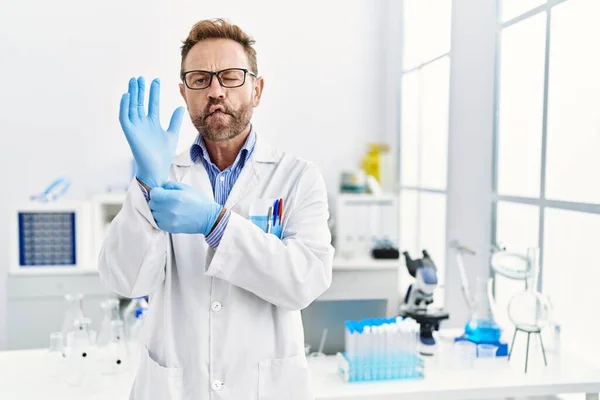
x: 380, y: 349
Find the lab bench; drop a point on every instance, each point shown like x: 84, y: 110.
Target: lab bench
x: 23, y: 375
x: 36, y: 303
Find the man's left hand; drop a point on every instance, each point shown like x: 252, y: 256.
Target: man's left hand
x: 179, y: 208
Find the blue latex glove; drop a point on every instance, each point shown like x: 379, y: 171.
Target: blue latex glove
x: 153, y: 148
x: 179, y: 208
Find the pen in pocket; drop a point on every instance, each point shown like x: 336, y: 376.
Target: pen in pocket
x: 280, y: 211
x: 269, y: 219
x: 275, y: 211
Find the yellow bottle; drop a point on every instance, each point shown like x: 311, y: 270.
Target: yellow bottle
x: 371, y: 163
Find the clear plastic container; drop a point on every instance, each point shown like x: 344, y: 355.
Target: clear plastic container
x: 55, y: 360
x: 465, y: 354
x: 445, y: 356
x: 486, y: 350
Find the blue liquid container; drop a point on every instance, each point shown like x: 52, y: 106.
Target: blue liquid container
x: 483, y: 331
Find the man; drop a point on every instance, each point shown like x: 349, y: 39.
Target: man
x: 225, y: 291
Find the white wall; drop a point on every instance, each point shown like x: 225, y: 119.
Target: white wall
x: 65, y: 64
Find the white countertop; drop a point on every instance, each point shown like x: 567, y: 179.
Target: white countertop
x: 23, y: 376
x: 498, y: 379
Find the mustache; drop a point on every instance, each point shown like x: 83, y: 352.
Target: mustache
x: 211, y: 103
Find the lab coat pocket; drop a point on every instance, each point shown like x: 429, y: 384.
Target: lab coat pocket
x: 265, y: 214
x: 262, y: 222
x: 284, y: 378
x: 154, y: 381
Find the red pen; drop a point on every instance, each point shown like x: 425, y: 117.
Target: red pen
x: 280, y: 210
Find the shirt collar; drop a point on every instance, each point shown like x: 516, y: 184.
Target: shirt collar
x: 198, y: 149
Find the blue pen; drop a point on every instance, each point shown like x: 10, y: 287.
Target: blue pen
x: 275, y: 211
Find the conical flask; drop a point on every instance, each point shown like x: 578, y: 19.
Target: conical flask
x: 115, y: 358
x: 111, y: 313
x: 482, y: 326
x: 73, y: 313
x: 80, y: 342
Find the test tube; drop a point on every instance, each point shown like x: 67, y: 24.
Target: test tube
x: 347, y: 339
x: 389, y: 328
x: 368, y: 341
x: 387, y: 338
x: 357, y: 338
x: 353, y: 334
x: 375, y: 355
x: 398, y: 349
x: 360, y: 348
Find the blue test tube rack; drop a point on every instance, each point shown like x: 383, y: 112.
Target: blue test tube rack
x: 379, y: 349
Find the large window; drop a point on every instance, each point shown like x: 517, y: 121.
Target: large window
x: 547, y: 184
x: 424, y: 131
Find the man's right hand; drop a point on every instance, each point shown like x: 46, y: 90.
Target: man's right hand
x: 153, y: 148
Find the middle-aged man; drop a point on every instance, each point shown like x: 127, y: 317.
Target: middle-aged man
x: 229, y: 239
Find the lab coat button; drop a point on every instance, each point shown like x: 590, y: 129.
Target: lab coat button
x: 217, y: 385
x: 216, y: 306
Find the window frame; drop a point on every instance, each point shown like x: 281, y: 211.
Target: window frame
x: 419, y: 189
x: 542, y: 202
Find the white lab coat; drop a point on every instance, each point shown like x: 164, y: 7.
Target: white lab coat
x: 226, y: 323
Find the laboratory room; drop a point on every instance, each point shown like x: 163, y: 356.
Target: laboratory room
x: 328, y: 200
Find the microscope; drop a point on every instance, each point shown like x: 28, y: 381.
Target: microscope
x: 418, y: 300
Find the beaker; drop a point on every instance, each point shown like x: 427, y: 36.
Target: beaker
x: 486, y: 350
x: 54, y: 360
x: 482, y: 326
x: 486, y: 356
x: 465, y: 354
x: 446, y: 351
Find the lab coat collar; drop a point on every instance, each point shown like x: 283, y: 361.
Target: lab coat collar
x: 248, y: 179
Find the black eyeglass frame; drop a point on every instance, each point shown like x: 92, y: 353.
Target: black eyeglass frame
x: 216, y: 73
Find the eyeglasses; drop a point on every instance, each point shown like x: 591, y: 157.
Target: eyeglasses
x: 228, y: 78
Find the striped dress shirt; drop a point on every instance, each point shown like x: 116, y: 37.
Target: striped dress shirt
x: 222, y: 181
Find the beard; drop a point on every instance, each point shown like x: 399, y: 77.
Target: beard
x: 222, y: 125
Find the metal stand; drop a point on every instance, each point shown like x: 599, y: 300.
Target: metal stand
x: 528, y: 330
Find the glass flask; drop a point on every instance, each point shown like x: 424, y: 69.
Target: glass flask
x: 116, y: 358
x: 111, y: 313
x: 482, y: 326
x: 79, y: 352
x: 530, y: 309
x: 74, y: 313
